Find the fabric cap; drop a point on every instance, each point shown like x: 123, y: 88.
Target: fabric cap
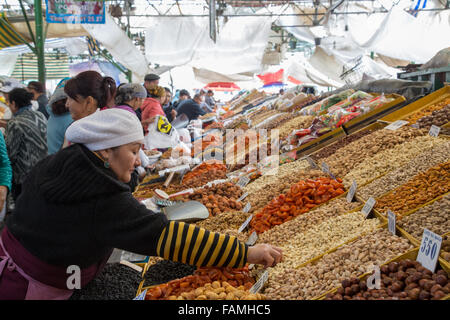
x: 8, y: 86
x: 134, y: 90
x: 106, y: 129
x: 151, y: 77
x: 59, y: 93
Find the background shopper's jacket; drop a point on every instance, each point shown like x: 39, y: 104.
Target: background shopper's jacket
x: 56, y: 130
x: 5, y: 165
x: 26, y: 140
x: 73, y: 211
x: 151, y: 108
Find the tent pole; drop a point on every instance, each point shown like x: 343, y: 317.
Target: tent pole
x: 39, y: 40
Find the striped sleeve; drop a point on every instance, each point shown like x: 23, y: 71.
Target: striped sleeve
x: 187, y: 243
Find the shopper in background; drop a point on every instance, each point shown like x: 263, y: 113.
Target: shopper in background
x: 5, y: 176
x: 168, y: 107
x: 183, y: 96
x: 88, y: 92
x: 191, y: 108
x: 7, y: 87
x: 25, y: 137
x: 64, y: 219
x: 130, y: 96
x: 38, y: 91
x: 209, y: 99
x: 59, y: 119
x: 150, y: 82
x: 152, y: 106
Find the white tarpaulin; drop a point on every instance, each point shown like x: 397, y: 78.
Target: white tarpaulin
x: 115, y: 40
x: 239, y: 46
x: 7, y: 63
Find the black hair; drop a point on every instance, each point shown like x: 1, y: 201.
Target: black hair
x: 21, y: 97
x: 36, y: 85
x: 59, y: 107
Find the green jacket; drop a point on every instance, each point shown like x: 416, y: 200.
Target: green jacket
x: 5, y: 165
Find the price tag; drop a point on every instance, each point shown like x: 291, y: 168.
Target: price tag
x: 368, y: 206
x: 391, y: 221
x: 243, y: 196
x: 351, y: 192
x: 243, y: 181
x: 415, y: 125
x: 141, y: 296
x: 326, y: 169
x: 260, y: 283
x: 245, y: 224
x: 396, y: 124
x: 174, y: 169
x: 247, y: 207
x: 311, y: 162
x: 434, y: 131
x: 429, y: 250
x: 252, y: 239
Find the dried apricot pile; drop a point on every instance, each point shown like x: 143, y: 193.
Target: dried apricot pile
x: 302, y: 197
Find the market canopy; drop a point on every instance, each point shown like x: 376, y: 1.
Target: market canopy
x: 56, y: 66
x: 222, y: 86
x: 9, y: 36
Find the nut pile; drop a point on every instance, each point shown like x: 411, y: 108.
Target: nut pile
x: 350, y: 260
x: 302, y: 197
x: 401, y: 175
x: 437, y: 118
x: 299, y: 122
x: 202, y: 276
x: 445, y: 248
x: 334, y: 147
x: 403, y: 280
x: 217, y: 198
x: 422, y: 188
x: 427, y: 111
x: 227, y: 222
x: 352, y: 154
x: 258, y: 199
x: 276, y: 122
x: 434, y: 217
x: 390, y: 159
x: 325, y: 236
x: 284, y: 233
x: 218, y: 290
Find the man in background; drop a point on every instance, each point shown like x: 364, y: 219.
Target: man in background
x: 168, y: 107
x: 37, y: 89
x: 184, y: 96
x: 191, y: 108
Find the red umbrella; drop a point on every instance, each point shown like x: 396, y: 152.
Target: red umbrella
x: 222, y: 86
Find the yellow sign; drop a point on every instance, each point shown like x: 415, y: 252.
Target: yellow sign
x: 164, y: 125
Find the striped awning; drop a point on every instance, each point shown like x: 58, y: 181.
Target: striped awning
x: 56, y: 66
x: 8, y: 35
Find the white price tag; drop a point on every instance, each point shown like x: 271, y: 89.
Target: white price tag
x: 174, y: 169
x: 245, y: 224
x: 247, y: 207
x: 311, y: 162
x: 351, y: 192
x: 391, y: 221
x: 252, y: 239
x: 429, y: 250
x: 415, y: 125
x: 368, y: 206
x: 326, y: 169
x: 434, y: 131
x: 141, y: 296
x: 260, y: 283
x: 396, y: 124
x: 243, y: 196
x: 243, y: 181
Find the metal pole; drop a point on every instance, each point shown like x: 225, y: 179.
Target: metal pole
x: 39, y: 45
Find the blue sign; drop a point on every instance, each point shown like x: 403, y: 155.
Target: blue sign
x: 75, y: 11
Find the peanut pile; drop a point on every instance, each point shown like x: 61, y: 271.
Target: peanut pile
x: 218, y: 291
x: 325, y: 236
x: 390, y: 159
x: 299, y: 122
x: 422, y: 188
x: 227, y: 222
x: 343, y: 161
x: 434, y: 217
x: 401, y: 175
x: 350, y: 260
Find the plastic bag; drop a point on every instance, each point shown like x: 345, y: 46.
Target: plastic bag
x: 161, y: 135
x: 351, y: 100
x: 326, y: 103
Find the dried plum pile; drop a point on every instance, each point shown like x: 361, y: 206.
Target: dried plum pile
x: 165, y: 271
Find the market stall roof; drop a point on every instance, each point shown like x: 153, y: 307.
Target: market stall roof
x: 222, y: 86
x: 56, y: 66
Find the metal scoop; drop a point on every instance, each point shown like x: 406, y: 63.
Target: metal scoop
x: 190, y: 211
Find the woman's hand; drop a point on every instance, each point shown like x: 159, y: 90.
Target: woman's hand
x: 264, y: 254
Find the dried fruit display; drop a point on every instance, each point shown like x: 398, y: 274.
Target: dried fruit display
x: 350, y: 260
x: 302, y: 197
x: 217, y: 198
x: 202, y: 276
x: 445, y: 248
x: 437, y: 118
x: 427, y: 110
x: 403, y: 280
x: 422, y: 188
x: 203, y: 174
x: 218, y: 290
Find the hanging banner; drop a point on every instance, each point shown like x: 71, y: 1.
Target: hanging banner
x: 75, y: 11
